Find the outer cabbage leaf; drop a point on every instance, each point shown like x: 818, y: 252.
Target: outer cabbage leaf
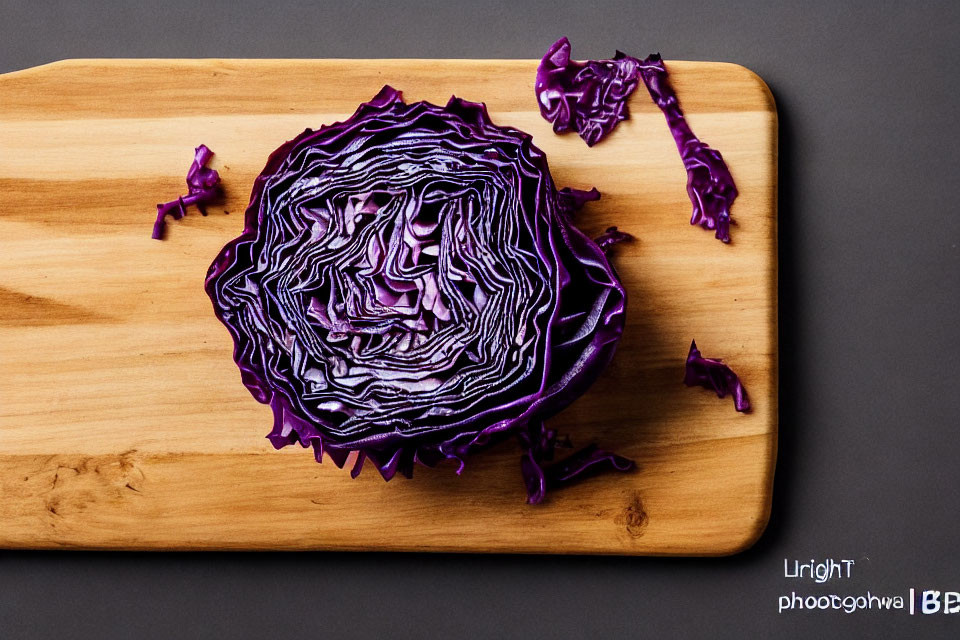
x: 409, y: 286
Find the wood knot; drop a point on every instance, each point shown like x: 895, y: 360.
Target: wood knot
x: 633, y: 518
x: 75, y: 482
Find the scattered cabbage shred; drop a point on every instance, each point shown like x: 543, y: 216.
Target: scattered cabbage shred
x: 587, y: 97
x: 203, y: 186
x: 409, y: 286
x: 709, y: 184
x: 591, y: 99
x: 714, y: 374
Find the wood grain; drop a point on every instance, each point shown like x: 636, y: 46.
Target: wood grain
x: 123, y: 423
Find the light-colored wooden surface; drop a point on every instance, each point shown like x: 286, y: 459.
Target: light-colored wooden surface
x: 123, y: 422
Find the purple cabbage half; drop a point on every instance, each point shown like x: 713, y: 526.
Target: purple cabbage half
x: 591, y: 98
x: 409, y: 286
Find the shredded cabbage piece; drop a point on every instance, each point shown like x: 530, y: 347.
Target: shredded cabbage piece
x: 203, y: 186
x: 714, y: 374
x: 587, y: 97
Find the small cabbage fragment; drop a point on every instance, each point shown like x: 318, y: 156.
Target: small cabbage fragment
x: 714, y: 374
x: 409, y: 286
x: 539, y: 444
x: 574, y: 199
x: 611, y: 237
x: 203, y: 186
x: 591, y: 98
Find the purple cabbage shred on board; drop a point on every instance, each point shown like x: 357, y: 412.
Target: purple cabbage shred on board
x: 574, y: 199
x: 611, y: 237
x: 587, y: 97
x: 591, y: 98
x: 709, y: 184
x: 714, y: 374
x: 203, y: 186
x: 539, y: 444
x: 409, y: 288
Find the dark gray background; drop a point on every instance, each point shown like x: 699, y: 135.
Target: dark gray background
x: 869, y: 228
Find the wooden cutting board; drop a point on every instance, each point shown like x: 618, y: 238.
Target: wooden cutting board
x: 123, y: 422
